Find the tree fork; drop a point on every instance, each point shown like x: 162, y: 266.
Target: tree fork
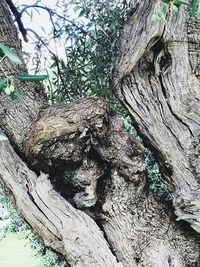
x: 93, y: 177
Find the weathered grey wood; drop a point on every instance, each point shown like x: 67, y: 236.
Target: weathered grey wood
x: 17, y: 117
x: 96, y: 176
x: 157, y: 79
x: 62, y: 227
x: 139, y: 230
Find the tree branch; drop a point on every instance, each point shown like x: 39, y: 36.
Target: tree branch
x: 18, y: 16
x: 62, y: 227
x: 51, y: 13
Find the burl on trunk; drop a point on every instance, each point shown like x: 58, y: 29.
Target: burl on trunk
x: 78, y: 178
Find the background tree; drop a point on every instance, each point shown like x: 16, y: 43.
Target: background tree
x: 79, y: 179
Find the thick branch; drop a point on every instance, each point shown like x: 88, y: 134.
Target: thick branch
x: 17, y: 16
x: 62, y: 227
x: 16, y: 116
x: 89, y: 152
x: 154, y: 78
x: 96, y: 167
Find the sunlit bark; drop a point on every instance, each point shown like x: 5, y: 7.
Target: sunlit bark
x: 78, y: 178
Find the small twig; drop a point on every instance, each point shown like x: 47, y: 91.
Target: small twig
x: 51, y: 13
x: 17, y: 16
x: 52, y: 53
x: 41, y: 40
x: 23, y: 30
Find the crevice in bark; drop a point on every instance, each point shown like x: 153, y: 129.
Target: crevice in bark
x: 180, y: 120
x: 99, y: 223
x: 63, y: 187
x: 164, y: 165
x: 170, y: 129
x: 162, y: 86
x: 163, y: 118
x: 161, y: 56
x: 170, y: 108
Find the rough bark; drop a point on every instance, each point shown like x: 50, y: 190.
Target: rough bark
x: 62, y: 227
x: 78, y: 179
x: 16, y: 117
x: 99, y: 168
x: 157, y: 79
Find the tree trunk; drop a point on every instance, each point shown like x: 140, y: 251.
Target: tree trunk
x: 78, y: 178
x: 157, y: 79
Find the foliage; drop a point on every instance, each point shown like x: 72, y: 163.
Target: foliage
x: 10, y: 84
x: 17, y: 225
x: 129, y: 127
x: 174, y: 6
x: 155, y: 182
x: 49, y: 258
x: 7, y: 52
x: 91, y: 41
x: 90, y: 56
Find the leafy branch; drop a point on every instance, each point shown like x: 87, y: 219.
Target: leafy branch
x: 9, y: 85
x: 18, y: 15
x: 173, y: 5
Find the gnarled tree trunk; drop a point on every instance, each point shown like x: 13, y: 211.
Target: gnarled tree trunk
x: 78, y: 178
x: 157, y: 79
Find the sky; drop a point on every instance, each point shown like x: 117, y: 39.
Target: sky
x: 40, y: 23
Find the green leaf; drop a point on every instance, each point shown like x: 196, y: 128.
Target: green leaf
x: 7, y: 90
x: 175, y: 8
x: 178, y: 3
x: 165, y: 9
x: 3, y: 137
x: 159, y: 13
x: 8, y: 52
x: 19, y: 93
x: 31, y: 78
x: 2, y: 84
x: 198, y: 10
x: 195, y: 5
x: 155, y: 18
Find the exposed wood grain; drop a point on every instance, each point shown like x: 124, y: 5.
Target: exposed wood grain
x: 96, y: 170
x: 156, y: 77
x: 61, y: 226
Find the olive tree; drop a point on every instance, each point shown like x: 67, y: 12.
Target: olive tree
x: 79, y: 179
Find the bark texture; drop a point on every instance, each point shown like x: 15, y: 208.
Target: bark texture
x: 78, y: 179
x: 157, y: 79
x: 17, y: 117
x: 98, y: 169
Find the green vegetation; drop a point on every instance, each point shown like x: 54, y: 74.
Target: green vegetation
x: 174, y: 5
x: 9, y: 85
x: 15, y: 252
x: 91, y: 41
x: 155, y: 182
x: 18, y: 230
